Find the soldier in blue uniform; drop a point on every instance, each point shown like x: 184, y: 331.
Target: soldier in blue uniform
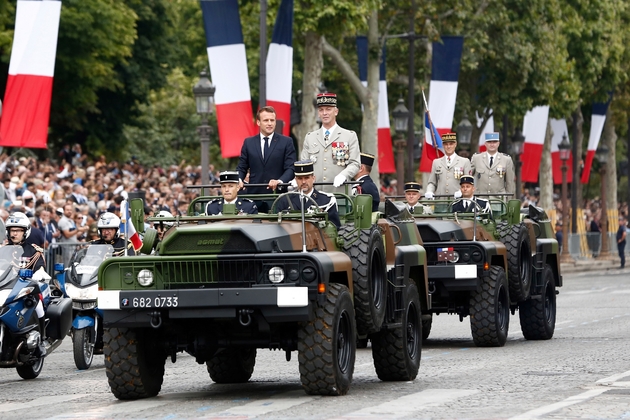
x: 466, y: 203
x: 305, y: 179
x: 229, y: 190
x: 368, y: 186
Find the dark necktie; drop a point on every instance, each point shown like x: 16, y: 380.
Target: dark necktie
x: 266, y: 148
x: 491, y: 159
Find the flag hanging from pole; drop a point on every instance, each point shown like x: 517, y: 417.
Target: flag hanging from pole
x: 228, y: 68
x: 432, y: 142
x: 534, y: 131
x: 28, y: 93
x: 560, y: 129
x: 385, y: 152
x: 445, y: 67
x: 280, y: 65
x: 598, y: 119
x: 130, y: 229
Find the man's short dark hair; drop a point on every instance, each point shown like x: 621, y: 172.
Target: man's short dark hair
x: 265, y: 109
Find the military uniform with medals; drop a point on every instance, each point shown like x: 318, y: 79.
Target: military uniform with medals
x: 332, y: 154
x: 495, y: 179
x: 447, y: 170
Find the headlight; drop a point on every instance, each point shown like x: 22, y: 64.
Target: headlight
x: 25, y: 291
x: 145, y: 277
x: 309, y: 274
x: 455, y: 257
x: 78, y: 293
x: 276, y: 274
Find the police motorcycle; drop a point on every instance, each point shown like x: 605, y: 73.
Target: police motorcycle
x: 81, y: 285
x: 22, y: 294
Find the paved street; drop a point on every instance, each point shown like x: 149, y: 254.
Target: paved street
x: 583, y: 372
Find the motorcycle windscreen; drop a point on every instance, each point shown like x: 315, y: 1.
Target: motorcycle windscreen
x: 85, y: 267
x: 10, y: 256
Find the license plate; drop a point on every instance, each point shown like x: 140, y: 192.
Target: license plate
x: 151, y: 302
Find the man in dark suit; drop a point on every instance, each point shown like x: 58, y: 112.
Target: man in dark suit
x: 368, y: 186
x: 467, y: 203
x: 305, y: 179
x: 268, y: 156
x: 229, y: 190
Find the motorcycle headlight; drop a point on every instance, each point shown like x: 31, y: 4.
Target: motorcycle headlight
x: 78, y: 293
x: 25, y: 291
x: 145, y: 277
x: 276, y: 274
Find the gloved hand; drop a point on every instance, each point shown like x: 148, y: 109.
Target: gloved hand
x: 293, y: 185
x: 458, y: 194
x: 339, y: 180
x: 428, y: 195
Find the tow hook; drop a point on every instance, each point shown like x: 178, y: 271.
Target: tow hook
x: 244, y: 317
x: 156, y: 319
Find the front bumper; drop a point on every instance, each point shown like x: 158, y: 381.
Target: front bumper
x: 455, y: 277
x: 135, y: 308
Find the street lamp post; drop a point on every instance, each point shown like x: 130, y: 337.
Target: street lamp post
x: 464, y: 133
x: 565, y: 153
x: 602, y: 157
x: 204, y: 98
x: 401, y: 117
x: 518, y: 141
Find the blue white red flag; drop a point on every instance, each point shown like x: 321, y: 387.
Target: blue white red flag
x: 598, y: 119
x: 129, y: 229
x: 280, y: 65
x: 228, y: 68
x: 29, y: 86
x: 445, y: 67
x: 432, y: 141
x: 560, y: 129
x: 385, y: 151
x: 534, y: 131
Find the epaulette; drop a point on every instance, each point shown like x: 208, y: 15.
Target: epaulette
x: 507, y: 155
x: 246, y: 200
x: 38, y: 248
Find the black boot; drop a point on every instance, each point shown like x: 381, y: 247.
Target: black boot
x: 42, y: 333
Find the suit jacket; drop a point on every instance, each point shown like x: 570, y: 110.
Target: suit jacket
x: 369, y: 187
x: 461, y: 208
x: 444, y: 178
x: 278, y: 164
x: 326, y: 163
x: 496, y: 180
x: 243, y: 205
x: 323, y: 200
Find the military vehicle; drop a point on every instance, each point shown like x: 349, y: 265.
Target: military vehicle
x: 488, y: 265
x: 221, y: 287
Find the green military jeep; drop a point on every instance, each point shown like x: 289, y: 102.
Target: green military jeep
x: 221, y: 287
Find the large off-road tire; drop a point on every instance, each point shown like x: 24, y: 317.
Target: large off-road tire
x: 133, y: 363
x: 538, y: 316
x: 31, y: 371
x: 397, y: 351
x: 519, y: 253
x: 369, y: 274
x: 232, y: 365
x: 426, y: 327
x: 83, y: 347
x: 326, y: 345
x: 490, y: 310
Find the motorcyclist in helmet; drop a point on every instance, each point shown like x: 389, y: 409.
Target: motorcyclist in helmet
x: 162, y: 227
x: 18, y: 229
x: 108, y: 227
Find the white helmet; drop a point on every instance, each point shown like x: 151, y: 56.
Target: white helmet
x: 108, y: 221
x: 164, y: 213
x: 20, y: 220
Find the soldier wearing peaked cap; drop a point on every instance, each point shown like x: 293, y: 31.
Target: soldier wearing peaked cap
x: 493, y: 171
x: 368, y: 186
x: 333, y: 150
x: 412, y: 195
x: 447, y: 170
x: 467, y: 202
x: 305, y: 178
x: 229, y: 190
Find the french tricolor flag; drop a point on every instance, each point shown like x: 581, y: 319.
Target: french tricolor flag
x: 534, y: 131
x: 280, y: 65
x: 597, y: 126
x: 445, y: 66
x: 228, y: 67
x: 385, y: 152
x: 559, y: 128
x: 31, y: 70
x: 129, y: 229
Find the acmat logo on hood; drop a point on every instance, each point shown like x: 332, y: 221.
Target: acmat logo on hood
x: 202, y: 242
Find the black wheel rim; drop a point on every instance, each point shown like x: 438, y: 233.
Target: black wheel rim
x: 525, y: 264
x: 502, y: 310
x: 344, y: 342
x: 88, y: 346
x: 549, y: 303
x: 413, y: 331
x: 378, y: 282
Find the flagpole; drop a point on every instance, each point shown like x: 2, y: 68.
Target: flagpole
x: 126, y: 209
x: 431, y: 126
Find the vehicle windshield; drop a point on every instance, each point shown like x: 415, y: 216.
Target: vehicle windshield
x: 9, y: 262
x: 445, y: 207
x: 85, y: 262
